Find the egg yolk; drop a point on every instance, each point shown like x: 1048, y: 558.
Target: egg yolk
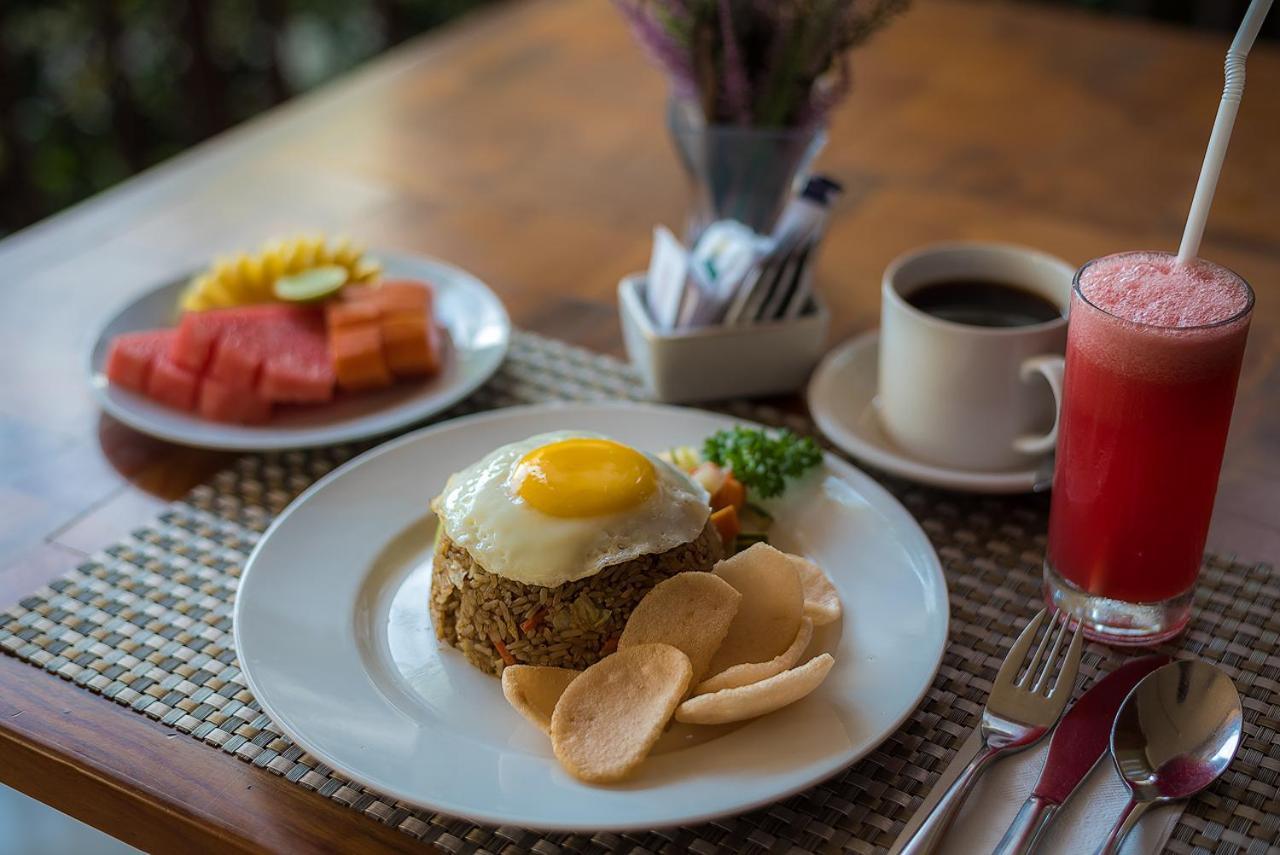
x: 584, y: 478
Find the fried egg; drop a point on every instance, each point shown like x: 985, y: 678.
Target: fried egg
x: 562, y: 506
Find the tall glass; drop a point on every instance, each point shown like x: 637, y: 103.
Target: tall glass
x: 1141, y: 434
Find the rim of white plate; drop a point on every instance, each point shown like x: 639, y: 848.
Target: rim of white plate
x: 863, y: 482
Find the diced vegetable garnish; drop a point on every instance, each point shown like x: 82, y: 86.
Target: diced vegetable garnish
x: 726, y: 522
x: 683, y: 457
x: 762, y: 460
x: 710, y: 476
x: 731, y: 492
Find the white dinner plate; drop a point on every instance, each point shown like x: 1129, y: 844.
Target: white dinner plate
x: 842, y: 401
x: 478, y: 332
x: 335, y: 641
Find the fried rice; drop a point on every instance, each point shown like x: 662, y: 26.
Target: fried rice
x: 495, y: 621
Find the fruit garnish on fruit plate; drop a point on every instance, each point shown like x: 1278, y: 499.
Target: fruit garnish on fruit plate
x: 295, y: 325
x: 311, y: 285
x: 251, y: 278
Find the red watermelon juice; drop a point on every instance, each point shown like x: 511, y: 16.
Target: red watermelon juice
x: 1153, y: 356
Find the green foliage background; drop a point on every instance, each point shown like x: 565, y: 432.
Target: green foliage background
x: 92, y: 91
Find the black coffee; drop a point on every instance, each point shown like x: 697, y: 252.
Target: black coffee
x: 983, y: 303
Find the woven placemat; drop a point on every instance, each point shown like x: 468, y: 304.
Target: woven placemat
x: 147, y: 623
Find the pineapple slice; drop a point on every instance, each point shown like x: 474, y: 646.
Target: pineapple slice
x: 251, y: 278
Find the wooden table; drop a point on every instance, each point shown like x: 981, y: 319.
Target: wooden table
x: 527, y: 144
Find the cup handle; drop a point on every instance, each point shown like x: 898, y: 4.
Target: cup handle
x: 1049, y: 367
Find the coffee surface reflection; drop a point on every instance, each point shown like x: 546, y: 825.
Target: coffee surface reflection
x: 983, y: 303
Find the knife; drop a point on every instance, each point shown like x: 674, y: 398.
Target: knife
x: 1079, y: 742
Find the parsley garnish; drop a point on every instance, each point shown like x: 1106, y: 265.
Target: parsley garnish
x: 763, y: 460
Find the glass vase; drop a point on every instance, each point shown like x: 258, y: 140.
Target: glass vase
x: 738, y: 172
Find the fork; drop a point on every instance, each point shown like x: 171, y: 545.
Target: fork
x: 1026, y: 701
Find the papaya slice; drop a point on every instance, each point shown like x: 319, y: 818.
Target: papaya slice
x: 357, y: 357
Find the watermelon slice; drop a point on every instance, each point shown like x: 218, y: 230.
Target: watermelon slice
x: 297, y: 368
x: 227, y: 402
x: 233, y: 365
x: 277, y: 351
x: 236, y: 358
x: 230, y: 365
x: 172, y: 384
x: 194, y: 339
x: 228, y: 342
x: 132, y: 354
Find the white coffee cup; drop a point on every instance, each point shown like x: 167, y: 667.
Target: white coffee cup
x: 972, y: 397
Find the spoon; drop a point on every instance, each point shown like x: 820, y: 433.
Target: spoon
x: 1174, y: 735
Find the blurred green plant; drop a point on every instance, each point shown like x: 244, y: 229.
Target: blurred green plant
x: 92, y: 91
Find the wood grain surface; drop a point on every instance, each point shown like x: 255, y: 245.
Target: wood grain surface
x: 526, y: 144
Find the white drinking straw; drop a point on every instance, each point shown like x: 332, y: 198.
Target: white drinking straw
x: 1222, y: 125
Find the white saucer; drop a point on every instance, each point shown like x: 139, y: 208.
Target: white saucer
x: 842, y: 401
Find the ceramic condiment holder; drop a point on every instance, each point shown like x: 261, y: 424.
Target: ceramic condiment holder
x: 713, y: 363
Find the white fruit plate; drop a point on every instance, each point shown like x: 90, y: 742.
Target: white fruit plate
x: 477, y: 328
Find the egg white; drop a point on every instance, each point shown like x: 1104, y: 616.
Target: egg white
x: 505, y: 535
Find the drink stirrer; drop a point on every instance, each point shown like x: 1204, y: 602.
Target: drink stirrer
x: 1227, y: 109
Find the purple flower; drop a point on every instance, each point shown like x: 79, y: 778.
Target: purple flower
x: 663, y: 47
x: 736, y: 86
x: 765, y: 62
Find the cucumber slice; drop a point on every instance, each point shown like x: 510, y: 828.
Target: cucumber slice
x: 315, y: 283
